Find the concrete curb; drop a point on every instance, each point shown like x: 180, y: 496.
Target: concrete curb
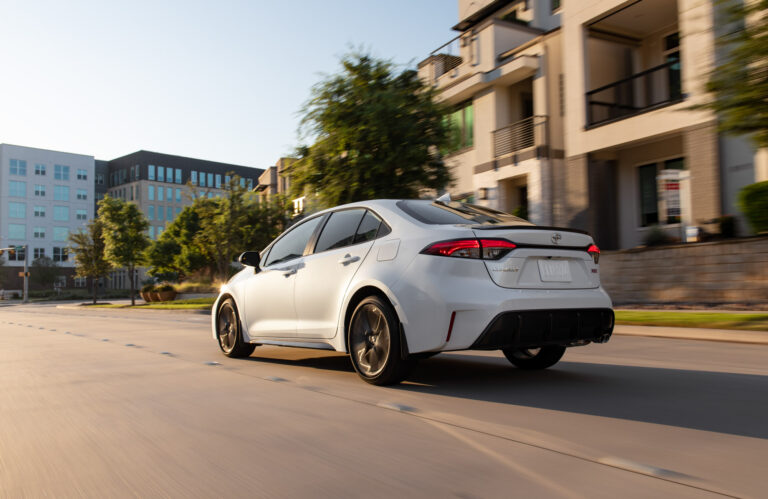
x: 691, y: 333
x: 146, y: 310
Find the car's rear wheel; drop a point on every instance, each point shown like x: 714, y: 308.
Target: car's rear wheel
x: 534, y: 358
x: 374, y: 343
x: 228, y: 331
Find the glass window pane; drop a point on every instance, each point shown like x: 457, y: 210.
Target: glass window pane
x: 60, y: 233
x: 178, y: 175
x: 161, y: 174
x: 178, y: 195
x: 151, y: 212
x: 210, y: 180
x: 169, y: 212
x: 151, y: 192
x: 340, y: 230
x: 17, y: 188
x: 169, y: 193
x: 17, y: 210
x: 291, y: 245
x: 193, y: 177
x: 218, y: 181
x: 151, y: 172
x: 17, y: 231
x: 649, y: 208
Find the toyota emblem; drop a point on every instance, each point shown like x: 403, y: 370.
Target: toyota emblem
x: 556, y: 238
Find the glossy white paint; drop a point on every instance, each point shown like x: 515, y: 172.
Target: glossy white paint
x: 279, y: 306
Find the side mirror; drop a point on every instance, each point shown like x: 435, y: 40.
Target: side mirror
x: 250, y: 258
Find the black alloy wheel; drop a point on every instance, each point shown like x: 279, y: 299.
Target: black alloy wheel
x: 374, y: 343
x: 228, y: 331
x: 534, y: 358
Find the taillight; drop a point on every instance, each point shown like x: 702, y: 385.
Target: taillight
x: 595, y: 252
x: 487, y: 249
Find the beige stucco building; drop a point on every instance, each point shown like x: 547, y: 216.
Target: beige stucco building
x: 575, y: 111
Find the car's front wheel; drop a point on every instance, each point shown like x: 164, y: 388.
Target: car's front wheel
x: 534, y: 358
x: 374, y: 343
x: 228, y: 331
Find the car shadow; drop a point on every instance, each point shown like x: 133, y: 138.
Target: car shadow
x: 712, y: 401
x: 327, y: 361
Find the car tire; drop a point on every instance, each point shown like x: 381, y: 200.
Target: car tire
x: 229, y: 333
x: 374, y: 343
x: 534, y: 358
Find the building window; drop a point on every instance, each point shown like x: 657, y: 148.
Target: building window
x: 151, y: 192
x: 60, y: 233
x: 79, y: 282
x: 178, y: 175
x: 250, y: 183
x: 99, y: 180
x: 38, y: 253
x: 61, y: 213
x: 160, y: 213
x: 672, y: 56
x: 82, y: 194
x: 202, y: 179
x: 218, y: 181
x: 151, y: 231
x: 151, y: 172
x: 17, y: 189
x: 19, y: 167
x: 159, y: 231
x: 161, y: 174
x: 60, y: 254
x: 151, y: 212
x: 61, y: 193
x: 160, y: 194
x: 556, y: 4
x: 17, y: 210
x: 82, y: 174
x: 169, y: 213
x: 137, y: 169
x: 461, y: 128
x: 227, y: 179
x: 39, y: 190
x: 38, y: 232
x: 210, y: 180
x: 178, y: 195
x: 40, y: 170
x: 210, y: 195
x: 169, y: 193
x: 178, y: 210
x: 81, y: 214
x: 40, y: 211
x: 649, y: 191
x: 17, y: 231
x: 242, y: 182
x: 61, y: 172
x: 193, y: 177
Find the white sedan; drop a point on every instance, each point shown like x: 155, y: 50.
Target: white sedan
x: 391, y: 281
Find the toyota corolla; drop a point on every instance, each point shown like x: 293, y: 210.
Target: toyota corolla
x: 392, y: 281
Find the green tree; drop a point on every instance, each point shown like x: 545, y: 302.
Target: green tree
x: 125, y: 238
x: 377, y: 134
x: 739, y: 84
x: 44, y: 271
x: 88, y: 248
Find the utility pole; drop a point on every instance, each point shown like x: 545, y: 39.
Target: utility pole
x: 25, y: 298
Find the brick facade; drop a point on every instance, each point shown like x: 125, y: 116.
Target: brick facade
x: 701, y: 156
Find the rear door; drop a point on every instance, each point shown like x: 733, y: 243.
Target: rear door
x: 322, y: 281
x: 545, y: 258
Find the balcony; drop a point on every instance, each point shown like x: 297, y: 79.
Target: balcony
x: 642, y: 92
x: 527, y: 134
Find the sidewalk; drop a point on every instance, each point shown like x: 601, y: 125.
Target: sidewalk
x: 693, y: 333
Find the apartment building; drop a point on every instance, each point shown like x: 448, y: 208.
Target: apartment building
x: 580, y: 111
x: 44, y: 196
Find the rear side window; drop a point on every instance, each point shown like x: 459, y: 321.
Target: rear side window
x: 292, y: 244
x: 340, y: 230
x: 369, y: 228
x: 452, y: 213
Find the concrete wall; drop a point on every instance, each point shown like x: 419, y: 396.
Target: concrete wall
x: 716, y: 272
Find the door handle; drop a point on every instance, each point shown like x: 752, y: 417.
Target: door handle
x: 348, y: 259
x: 289, y: 272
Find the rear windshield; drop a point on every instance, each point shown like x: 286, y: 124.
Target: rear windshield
x: 453, y: 212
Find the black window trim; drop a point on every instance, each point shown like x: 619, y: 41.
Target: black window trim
x: 311, y: 241
x: 365, y: 209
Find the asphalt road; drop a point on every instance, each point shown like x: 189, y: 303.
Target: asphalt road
x: 106, y: 403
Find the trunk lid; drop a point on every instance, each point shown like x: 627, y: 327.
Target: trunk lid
x: 545, y: 258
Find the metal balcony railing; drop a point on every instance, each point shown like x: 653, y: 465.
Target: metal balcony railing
x: 530, y: 132
x: 650, y: 89
x: 446, y: 57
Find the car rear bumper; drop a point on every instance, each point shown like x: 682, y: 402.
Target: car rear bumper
x: 535, y: 328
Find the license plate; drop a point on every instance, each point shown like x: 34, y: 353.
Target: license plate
x: 554, y: 271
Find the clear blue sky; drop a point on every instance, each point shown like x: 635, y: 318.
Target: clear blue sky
x: 220, y: 80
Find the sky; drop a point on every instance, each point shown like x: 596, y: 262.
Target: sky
x: 218, y: 80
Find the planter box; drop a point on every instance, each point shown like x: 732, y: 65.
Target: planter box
x: 165, y: 295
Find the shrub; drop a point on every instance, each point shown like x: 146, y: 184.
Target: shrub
x: 753, y: 201
x: 147, y: 288
x: 656, y: 236
x: 164, y: 287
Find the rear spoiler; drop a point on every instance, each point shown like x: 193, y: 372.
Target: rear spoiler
x: 526, y: 227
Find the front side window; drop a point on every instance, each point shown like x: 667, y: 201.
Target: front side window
x: 61, y: 172
x: 19, y: 167
x: 17, y: 210
x: 292, y: 244
x: 340, y: 230
x: 60, y: 233
x: 40, y: 170
x: 61, y: 213
x: 17, y: 189
x: 61, y: 193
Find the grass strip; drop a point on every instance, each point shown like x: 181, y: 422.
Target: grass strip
x: 708, y: 320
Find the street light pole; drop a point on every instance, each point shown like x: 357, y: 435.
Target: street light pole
x: 25, y: 298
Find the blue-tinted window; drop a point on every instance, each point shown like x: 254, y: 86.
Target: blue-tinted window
x: 61, y: 213
x: 160, y: 213
x: 151, y: 192
x: 17, y: 189
x: 61, y: 172
x: 161, y: 174
x: 81, y: 214
x: 151, y: 212
x: 218, y: 181
x: 193, y: 177
x: 39, y: 190
x: 169, y: 212
x: 61, y: 193
x: 60, y: 233
x: 17, y: 231
x: 82, y: 194
x: 160, y: 194
x: 82, y: 174
x: 169, y: 193
x: 151, y: 172
x: 210, y: 180
x: 40, y: 169
x: 202, y: 179
x: 178, y: 175
x: 151, y: 231
x: 178, y: 195
x: 19, y: 167
x: 17, y: 210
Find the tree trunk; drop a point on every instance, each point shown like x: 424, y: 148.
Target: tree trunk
x: 130, y: 277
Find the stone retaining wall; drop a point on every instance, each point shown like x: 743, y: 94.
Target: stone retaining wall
x: 715, y: 272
